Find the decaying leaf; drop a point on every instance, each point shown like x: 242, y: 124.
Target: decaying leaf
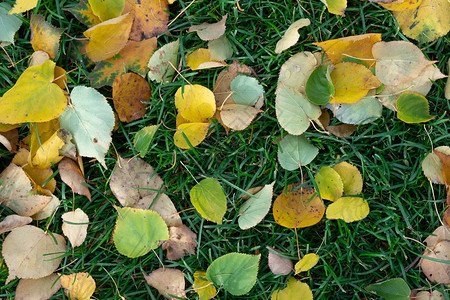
x: 441, y: 233
x: 41, y: 288
x: 38, y: 58
x: 434, y: 270
x: 40, y: 250
x: 78, y: 285
x: 83, y: 12
x: 181, y: 242
x: 291, y: 35
x: 349, y: 209
x: 169, y: 282
x: 433, y: 295
x: 48, y: 154
x: 204, y: 288
x: 13, y: 221
x: 201, y: 59
x: 74, y: 227
x: 237, y: 116
x: 432, y: 166
x: 107, y: 9
x: 45, y: 36
x: 294, y: 290
x: 278, y: 264
x: 306, y: 263
x: 401, y: 5
x: 208, y: 32
x: 72, y: 176
x: 162, y: 62
x: 10, y: 139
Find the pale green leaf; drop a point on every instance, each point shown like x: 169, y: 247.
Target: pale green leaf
x: 209, y: 199
x: 163, y: 61
x: 246, y: 90
x: 256, y: 208
x: 9, y: 23
x: 413, y: 108
x: 364, y: 111
x: 220, y: 49
x: 295, y: 151
x: 392, y: 289
x: 144, y: 138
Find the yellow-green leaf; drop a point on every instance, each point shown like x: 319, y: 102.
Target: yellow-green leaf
x: 204, y: 288
x: 107, y: 9
x: 306, y: 263
x: 209, y: 199
x: 351, y: 178
x: 349, y: 209
x: 195, y: 133
x: 83, y: 12
x: 294, y: 290
x: 329, y: 183
x: 45, y: 36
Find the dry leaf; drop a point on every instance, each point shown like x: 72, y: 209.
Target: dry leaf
x: 168, y: 282
x: 13, y: 221
x: 38, y: 58
x: 437, y: 271
x: 74, y: 227
x: 10, y: 139
x: 209, y: 32
x: 44, y: 36
x: 237, y: 116
x: 342, y: 130
x: 441, y: 233
x: 78, y: 286
x: 279, y: 264
x: 291, y: 35
x: 163, y: 206
x: 38, y: 289
x: 201, y: 59
x: 150, y: 18
x: 181, y: 242
x: 71, y: 175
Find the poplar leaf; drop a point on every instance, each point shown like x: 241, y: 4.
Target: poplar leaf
x: 45, y: 36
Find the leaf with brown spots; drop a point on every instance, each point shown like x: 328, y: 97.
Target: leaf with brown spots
x: 130, y: 91
x: 13, y: 221
x: 168, y: 282
x: 71, y: 175
x: 45, y: 36
x: 83, y: 12
x: 180, y: 243
x: 437, y: 271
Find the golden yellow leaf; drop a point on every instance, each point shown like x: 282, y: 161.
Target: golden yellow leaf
x: 336, y: 7
x: 351, y: 178
x: 329, y: 183
x: 205, y: 289
x: 34, y: 98
x: 48, y: 154
x: 40, y: 132
x: 349, y: 209
x: 108, y: 38
x: 306, y: 263
x: 60, y: 77
x: 351, y: 82
x: 45, y: 36
x: 201, y: 59
x: 401, y: 5
x: 194, y: 132
x: 131, y: 94
x: 22, y: 6
x: 358, y: 46
x: 299, y: 208
x: 195, y: 103
x: 78, y: 285
x: 294, y: 290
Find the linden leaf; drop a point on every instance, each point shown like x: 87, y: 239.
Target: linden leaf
x: 351, y: 178
x: 349, y: 209
x: 130, y: 92
x: 45, y: 37
x: 107, y: 9
x: 13, y: 221
x: 90, y: 119
x: 143, y: 138
x: 291, y: 35
x: 34, y: 98
x: 195, y: 103
x: 74, y: 227
x: 181, y: 242
x: 329, y: 183
x: 364, y: 111
x: 294, y: 290
x: 10, y: 24
x: 209, y: 200
x: 208, y: 32
x: 296, y: 70
x: 279, y: 264
x: 78, y: 285
x: 351, y: 82
x: 205, y: 289
x: 392, y: 289
x: 358, y: 46
x: 83, y: 12
x: 319, y: 88
x: 138, y: 231
x: 201, y: 59
x: 246, y: 90
x: 41, y: 251
x: 101, y: 46
x: 254, y: 210
x: 432, y: 165
x: 71, y: 175
x: 220, y: 49
x: 190, y: 134
x: 163, y: 62
x: 336, y: 7
x: 235, y: 272
x: 41, y: 288
x: 413, y: 108
x: 295, y: 151
x: 169, y: 282
x: 237, y: 116
x: 22, y: 6
x: 306, y: 263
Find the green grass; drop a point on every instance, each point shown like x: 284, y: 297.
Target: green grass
x: 388, y: 152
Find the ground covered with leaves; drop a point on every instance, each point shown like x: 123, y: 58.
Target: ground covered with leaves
x: 226, y: 149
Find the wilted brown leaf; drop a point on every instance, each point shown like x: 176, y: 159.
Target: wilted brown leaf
x: 181, y: 242
x: 75, y: 226
x: 168, y: 282
x: 38, y: 289
x: 71, y: 175
x: 279, y: 264
x: 13, y: 221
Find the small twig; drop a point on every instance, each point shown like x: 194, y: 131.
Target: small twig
x: 181, y: 12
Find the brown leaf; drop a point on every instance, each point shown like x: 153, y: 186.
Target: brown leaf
x: 42, y: 288
x: 130, y: 91
x: 75, y: 226
x: 209, y: 32
x: 71, y: 175
x: 437, y: 271
x: 445, y: 159
x: 441, y: 233
x: 13, y: 221
x: 237, y: 116
x: 10, y: 139
x: 150, y: 18
x: 163, y: 206
x: 279, y: 264
x: 342, y: 130
x: 168, y: 282
x: 181, y: 242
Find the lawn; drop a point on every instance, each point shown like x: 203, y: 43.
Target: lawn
x: 404, y: 206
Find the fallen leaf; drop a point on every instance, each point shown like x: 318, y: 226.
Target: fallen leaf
x: 433, y: 295
x: 90, y: 119
x: 10, y: 24
x: 75, y: 226
x: 306, y: 263
x: 220, y: 49
x: 291, y: 35
x: 445, y: 160
x: 351, y: 178
x: 83, y: 12
x: 296, y: 70
x: 349, y: 209
x: 38, y: 58
x: 441, y: 233
x: 278, y: 264
x: 41, y: 251
x: 78, y: 285
x: 48, y: 209
x: 48, y: 154
x: 209, y: 200
x: 294, y: 290
x: 237, y: 116
x: 195, y: 133
x: 364, y: 111
x: 162, y: 63
x: 13, y: 221
x: 34, y: 98
x: 434, y: 270
x: 447, y: 85
x: 10, y: 139
x: 336, y: 7
x: 195, y: 103
x: 71, y: 175
x: 143, y: 138
x: 205, y: 289
x: 392, y: 289
x: 41, y: 288
x: 319, y: 87
x: 246, y: 90
x: 413, y: 108
x: 130, y: 91
x: 329, y: 183
x: 295, y: 152
x: 181, y: 242
x: 44, y: 36
x: 432, y: 166
x: 163, y: 206
x: 201, y: 59
x: 107, y: 9
x: 342, y: 130
x: 169, y: 282
x: 299, y: 208
x: 101, y: 46
x: 208, y: 32
x: 401, y: 5
x: 253, y: 211
x: 22, y: 5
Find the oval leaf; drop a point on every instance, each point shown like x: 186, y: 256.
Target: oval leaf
x: 256, y: 208
x: 295, y: 151
x: 413, y: 108
x: 319, y: 87
x: 349, y: 209
x: 209, y: 199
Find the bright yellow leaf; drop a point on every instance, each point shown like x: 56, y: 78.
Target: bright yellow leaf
x: 336, y: 7
x: 108, y: 38
x: 294, y: 290
x: 306, y: 263
x: 201, y: 59
x: 40, y: 133
x: 34, y: 98
x: 401, y: 5
x: 78, y: 285
x: 48, y: 154
x: 22, y: 6
x: 329, y: 183
x: 351, y: 178
x: 349, y: 209
x: 195, y: 103
x: 351, y: 82
x: 194, y: 132
x: 45, y: 36
x: 300, y: 208
x: 203, y: 287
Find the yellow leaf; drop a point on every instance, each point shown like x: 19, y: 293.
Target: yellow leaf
x: 401, y: 5
x: 297, y: 209
x: 336, y: 7
x: 349, y: 209
x: 351, y: 82
x: 78, y: 285
x: 40, y: 133
x: 358, y: 46
x: 108, y: 38
x: 107, y: 9
x: 203, y: 287
x: 351, y: 178
x: 201, y: 59
x: 194, y: 132
x: 294, y: 290
x: 195, y: 103
x: 34, y: 98
x: 306, y: 263
x: 45, y: 36
x: 48, y: 154
x: 131, y: 93
x: 22, y: 6
x: 329, y: 183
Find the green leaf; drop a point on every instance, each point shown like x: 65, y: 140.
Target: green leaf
x: 392, y: 289
x: 319, y: 87
x: 329, y: 183
x: 256, y: 208
x: 364, y: 111
x: 159, y: 64
x: 90, y: 119
x: 295, y: 151
x: 144, y: 138
x: 294, y: 111
x: 413, y: 108
x: 246, y: 90
x: 83, y: 12
x: 209, y: 199
x: 10, y: 24
x: 107, y: 9
x: 235, y: 272
x: 138, y: 231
